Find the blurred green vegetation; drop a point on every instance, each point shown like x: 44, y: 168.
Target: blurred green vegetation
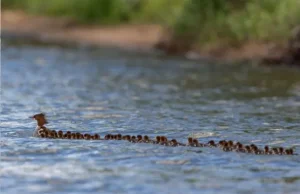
x: 204, y: 22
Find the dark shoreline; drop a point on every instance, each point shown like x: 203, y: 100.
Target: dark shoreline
x: 21, y: 27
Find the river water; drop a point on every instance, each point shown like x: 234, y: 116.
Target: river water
x: 110, y: 91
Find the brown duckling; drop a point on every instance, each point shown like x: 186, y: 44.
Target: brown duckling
x: 226, y: 147
x: 221, y: 143
x: 190, y: 142
x: 248, y: 149
x: 236, y: 145
x: 289, y: 151
x: 230, y: 144
x: 60, y: 134
x: 96, y: 136
x: 196, y: 143
x: 280, y: 150
x: 211, y: 143
x: 119, y: 137
x: 255, y: 150
x: 174, y: 143
x: 163, y: 140
x: 81, y: 136
x: 158, y: 139
x: 139, y: 139
x: 87, y: 136
x: 133, y: 139
x: 266, y: 150
x: 146, y: 139
x: 240, y: 148
x: 128, y: 138
x: 73, y: 136
x: 42, y: 135
x: 107, y: 137
x: 275, y: 151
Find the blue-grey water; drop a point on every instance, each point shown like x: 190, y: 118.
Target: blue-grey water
x: 109, y: 91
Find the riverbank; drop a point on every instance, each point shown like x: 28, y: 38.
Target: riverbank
x: 20, y: 25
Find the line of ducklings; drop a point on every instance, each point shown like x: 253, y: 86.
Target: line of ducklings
x: 162, y: 140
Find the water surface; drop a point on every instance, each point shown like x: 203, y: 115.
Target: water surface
x: 109, y: 91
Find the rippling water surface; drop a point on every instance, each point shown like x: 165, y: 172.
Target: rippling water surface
x: 108, y: 91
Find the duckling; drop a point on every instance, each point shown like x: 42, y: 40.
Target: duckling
x: 164, y: 141
x: 60, y: 134
x: 78, y: 135
x: 97, y: 137
x: 221, y: 143
x: 87, y: 136
x: 266, y: 150
x: 248, y: 149
x: 236, y: 145
x: 107, y: 137
x: 50, y: 134
x: 133, y: 139
x: 42, y: 135
x: 240, y: 148
x: 55, y: 134
x: 139, y: 139
x: 196, y: 143
x: 73, y: 136
x: 158, y: 139
x: 226, y: 147
x: 41, y: 131
x: 128, y: 138
x: 289, y: 151
x: 230, y: 144
x: 173, y: 143
x: 275, y: 151
x: 254, y: 148
x: 146, y: 139
x: 211, y: 143
x: 280, y: 150
x: 190, y: 142
x: 119, y: 137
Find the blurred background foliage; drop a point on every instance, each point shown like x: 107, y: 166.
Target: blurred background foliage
x: 206, y: 22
